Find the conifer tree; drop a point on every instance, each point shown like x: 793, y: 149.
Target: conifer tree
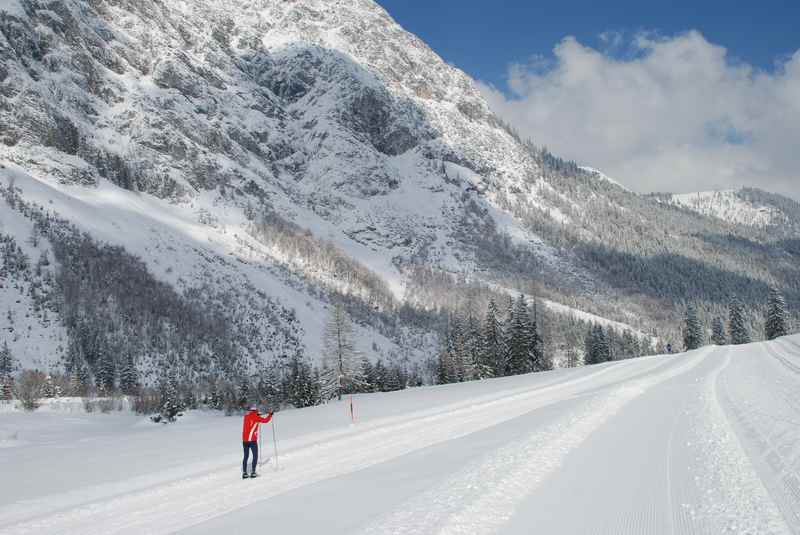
x: 269, y: 387
x: 214, y: 398
x: 538, y: 361
x: 393, y: 380
x: 520, y: 341
x: 443, y: 364
x: 597, y: 346
x: 604, y: 345
x: 170, y: 405
x: 693, y: 337
x: 776, y: 324
x: 302, y: 387
x: 381, y: 376
x: 105, y: 374
x: 738, y: 326
x: 590, y: 347
x: 368, y: 372
x: 475, y: 367
x: 77, y: 371
x: 494, y: 353
x: 718, y: 335
x: 7, y: 368
x: 49, y: 389
x: 129, y: 376
x: 458, y: 359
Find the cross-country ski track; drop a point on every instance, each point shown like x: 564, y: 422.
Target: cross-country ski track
x: 706, y: 442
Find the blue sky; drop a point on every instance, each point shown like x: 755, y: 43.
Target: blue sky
x: 668, y: 96
x: 483, y: 37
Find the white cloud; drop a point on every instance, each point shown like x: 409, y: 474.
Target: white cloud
x: 677, y: 114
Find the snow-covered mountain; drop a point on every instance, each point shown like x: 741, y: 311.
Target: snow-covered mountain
x: 266, y: 159
x: 748, y: 207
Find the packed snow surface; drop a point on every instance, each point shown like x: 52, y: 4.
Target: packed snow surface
x: 705, y: 442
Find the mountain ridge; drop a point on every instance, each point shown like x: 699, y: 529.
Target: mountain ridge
x: 261, y: 125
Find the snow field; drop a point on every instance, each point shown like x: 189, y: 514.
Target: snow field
x: 702, y: 443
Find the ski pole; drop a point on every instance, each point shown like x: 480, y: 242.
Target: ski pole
x: 261, y: 451
x: 275, y: 441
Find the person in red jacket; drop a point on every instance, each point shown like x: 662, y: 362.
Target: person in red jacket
x: 252, y: 422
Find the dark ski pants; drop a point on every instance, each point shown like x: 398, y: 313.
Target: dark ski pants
x: 250, y: 446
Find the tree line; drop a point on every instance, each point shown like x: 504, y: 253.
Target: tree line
x: 776, y: 323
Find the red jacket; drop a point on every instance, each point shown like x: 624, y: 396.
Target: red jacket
x: 252, y: 421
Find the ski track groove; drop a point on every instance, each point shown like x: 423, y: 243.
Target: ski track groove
x: 483, y: 497
x: 762, y: 428
x: 736, y: 499
x: 154, y: 510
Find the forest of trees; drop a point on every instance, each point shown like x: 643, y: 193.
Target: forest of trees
x: 475, y: 348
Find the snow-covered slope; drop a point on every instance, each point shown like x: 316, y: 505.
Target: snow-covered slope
x: 696, y: 443
x: 731, y: 206
x: 602, y: 176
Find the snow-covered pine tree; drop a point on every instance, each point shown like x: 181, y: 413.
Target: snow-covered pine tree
x: 243, y: 394
x: 718, y: 335
x: 538, y: 361
x: 381, y: 376
x: 603, y: 345
x: 519, y: 339
x: 302, y: 384
x: 590, y: 347
x: 494, y: 353
x: 342, y: 372
x: 508, y: 320
x: 393, y: 381
x: 777, y: 320
x: 170, y: 405
x: 457, y: 350
x: 738, y: 326
x: 368, y: 371
x: 77, y: 371
x: 597, y: 346
x: 7, y: 368
x: 268, y: 388
x: 49, y: 387
x: 129, y: 376
x: 214, y: 399
x: 105, y: 374
x: 693, y: 336
x: 474, y: 367
x: 442, y: 360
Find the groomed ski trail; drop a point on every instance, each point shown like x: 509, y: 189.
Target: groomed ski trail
x: 181, y: 504
x: 701, y: 443
x: 484, y: 496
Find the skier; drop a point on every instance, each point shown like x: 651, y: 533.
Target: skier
x: 252, y: 422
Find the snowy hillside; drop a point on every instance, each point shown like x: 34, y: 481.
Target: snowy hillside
x: 703, y: 442
x: 731, y: 206
x: 602, y: 176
